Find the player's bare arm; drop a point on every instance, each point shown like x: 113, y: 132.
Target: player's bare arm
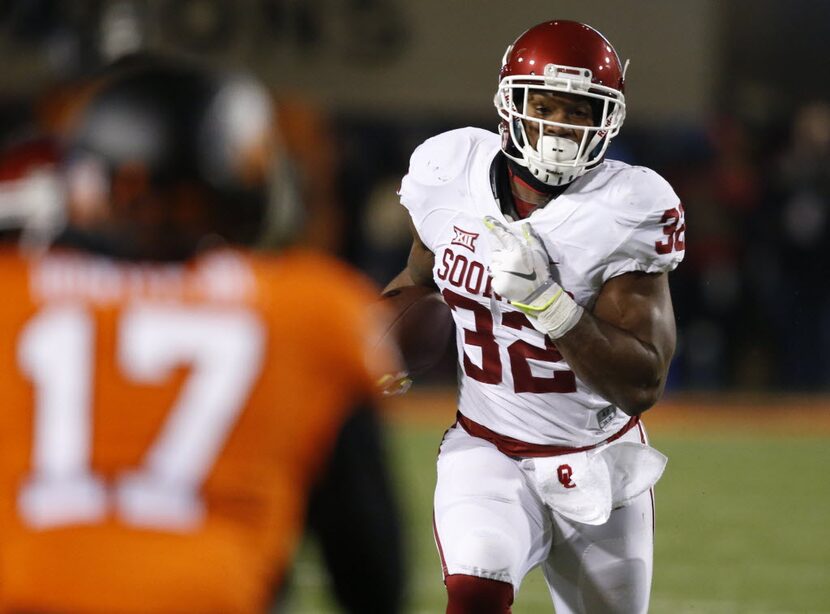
x: 418, y: 271
x: 623, y: 348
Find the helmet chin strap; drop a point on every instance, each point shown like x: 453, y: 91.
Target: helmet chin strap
x: 526, y: 175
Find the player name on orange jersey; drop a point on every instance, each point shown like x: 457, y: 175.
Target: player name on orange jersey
x: 224, y: 277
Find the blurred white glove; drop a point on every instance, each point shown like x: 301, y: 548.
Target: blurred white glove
x: 521, y: 271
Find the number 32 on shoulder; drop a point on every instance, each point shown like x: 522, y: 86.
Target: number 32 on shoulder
x: 674, y: 227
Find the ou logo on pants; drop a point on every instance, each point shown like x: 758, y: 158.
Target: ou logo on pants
x: 564, y: 473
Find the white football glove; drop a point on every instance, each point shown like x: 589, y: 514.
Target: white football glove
x: 521, y: 271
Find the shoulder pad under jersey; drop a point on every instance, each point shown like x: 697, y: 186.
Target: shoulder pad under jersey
x: 651, y: 221
x: 440, y: 159
x: 642, y: 191
x: 434, y: 168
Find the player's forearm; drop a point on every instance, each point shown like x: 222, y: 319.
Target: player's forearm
x: 404, y: 278
x: 418, y: 271
x: 623, y: 369
x: 419, y: 263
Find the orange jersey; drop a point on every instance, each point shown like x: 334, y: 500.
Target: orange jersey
x: 162, y: 424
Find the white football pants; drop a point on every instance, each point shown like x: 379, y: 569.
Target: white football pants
x: 490, y: 523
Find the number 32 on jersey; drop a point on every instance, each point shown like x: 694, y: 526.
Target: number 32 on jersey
x: 56, y: 351
x: 519, y: 352
x: 674, y: 227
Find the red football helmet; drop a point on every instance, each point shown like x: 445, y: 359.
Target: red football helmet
x: 566, y: 57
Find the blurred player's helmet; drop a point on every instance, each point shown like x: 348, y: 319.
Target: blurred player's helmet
x: 166, y: 157
x: 565, y: 57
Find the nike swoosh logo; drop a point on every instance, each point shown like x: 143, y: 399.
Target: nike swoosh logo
x: 527, y: 276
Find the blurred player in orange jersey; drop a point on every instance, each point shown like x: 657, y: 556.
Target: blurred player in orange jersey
x: 171, y: 398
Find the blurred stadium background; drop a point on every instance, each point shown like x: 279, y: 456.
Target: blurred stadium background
x: 728, y: 99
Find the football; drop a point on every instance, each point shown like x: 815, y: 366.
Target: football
x: 421, y: 325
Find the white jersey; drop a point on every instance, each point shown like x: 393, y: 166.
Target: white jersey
x: 615, y: 219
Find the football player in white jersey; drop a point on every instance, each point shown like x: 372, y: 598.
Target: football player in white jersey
x: 555, y: 263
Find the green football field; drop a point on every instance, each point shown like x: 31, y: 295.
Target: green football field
x: 743, y: 525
